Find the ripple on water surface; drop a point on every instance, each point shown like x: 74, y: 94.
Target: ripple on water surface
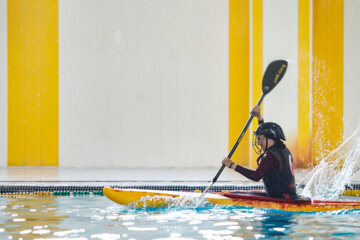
x: 98, y: 218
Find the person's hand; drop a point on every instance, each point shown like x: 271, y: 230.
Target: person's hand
x: 227, y: 162
x: 256, y: 111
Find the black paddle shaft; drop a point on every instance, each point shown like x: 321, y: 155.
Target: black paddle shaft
x: 238, y: 140
x: 273, y: 74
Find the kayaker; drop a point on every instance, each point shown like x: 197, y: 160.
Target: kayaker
x: 275, y: 164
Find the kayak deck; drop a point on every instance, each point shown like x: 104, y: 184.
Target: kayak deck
x: 154, y: 198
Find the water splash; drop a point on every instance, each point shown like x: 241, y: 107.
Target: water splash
x: 184, y: 201
x: 328, y: 179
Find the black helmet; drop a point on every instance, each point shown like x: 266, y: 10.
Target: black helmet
x: 270, y: 130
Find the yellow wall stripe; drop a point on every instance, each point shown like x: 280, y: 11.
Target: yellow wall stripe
x: 327, y: 75
x: 239, y: 55
x: 303, y: 141
x: 257, y: 61
x: 33, y: 82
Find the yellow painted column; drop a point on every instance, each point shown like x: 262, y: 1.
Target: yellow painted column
x: 303, y: 140
x: 257, y: 62
x: 327, y: 75
x: 33, y: 83
x: 239, y: 61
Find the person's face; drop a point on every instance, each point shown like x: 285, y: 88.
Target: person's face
x: 261, y: 141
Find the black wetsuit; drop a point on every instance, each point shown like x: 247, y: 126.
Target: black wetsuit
x: 276, y: 170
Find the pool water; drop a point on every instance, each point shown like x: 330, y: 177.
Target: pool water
x: 89, y: 217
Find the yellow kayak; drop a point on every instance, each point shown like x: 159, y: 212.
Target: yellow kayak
x: 155, y: 198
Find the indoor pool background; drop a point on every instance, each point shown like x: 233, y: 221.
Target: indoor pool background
x: 96, y: 217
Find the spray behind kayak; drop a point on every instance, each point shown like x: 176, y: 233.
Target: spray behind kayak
x: 329, y: 178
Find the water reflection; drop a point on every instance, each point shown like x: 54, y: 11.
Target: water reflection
x: 30, y: 217
x: 275, y: 225
x: 262, y: 224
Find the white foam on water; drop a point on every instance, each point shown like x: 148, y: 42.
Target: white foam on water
x: 329, y: 178
x: 188, y: 200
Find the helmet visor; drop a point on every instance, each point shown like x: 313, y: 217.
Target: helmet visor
x: 255, y: 145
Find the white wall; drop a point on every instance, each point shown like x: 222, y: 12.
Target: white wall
x: 281, y: 42
x: 351, y: 67
x: 143, y: 84
x: 3, y: 83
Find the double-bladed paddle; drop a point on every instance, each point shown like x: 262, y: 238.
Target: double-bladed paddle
x: 272, y: 76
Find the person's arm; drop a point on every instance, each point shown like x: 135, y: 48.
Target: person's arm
x: 256, y: 175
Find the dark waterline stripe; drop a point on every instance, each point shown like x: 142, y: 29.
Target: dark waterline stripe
x: 51, y: 188
x: 88, y: 188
